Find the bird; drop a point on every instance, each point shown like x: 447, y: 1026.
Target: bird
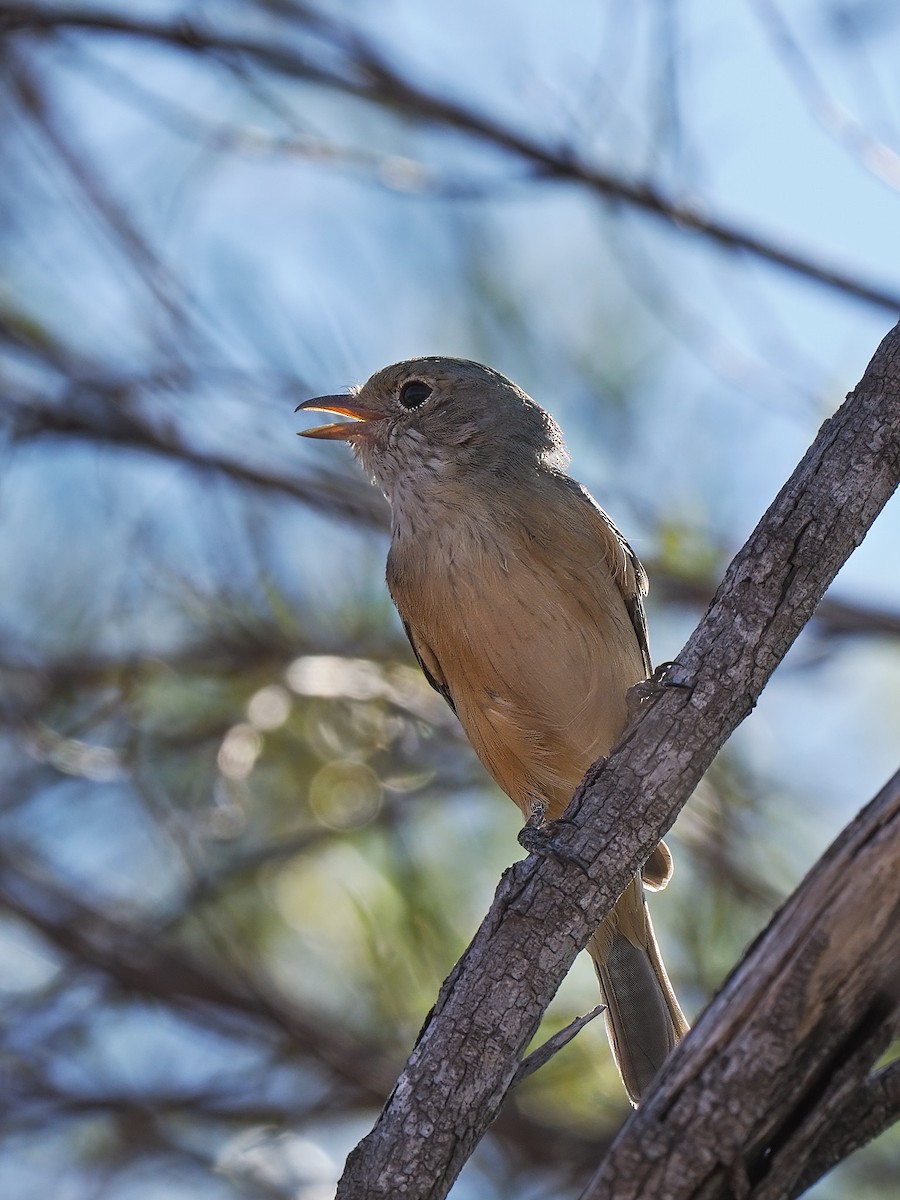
x: 524, y: 606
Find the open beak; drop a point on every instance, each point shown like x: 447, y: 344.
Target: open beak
x: 343, y: 406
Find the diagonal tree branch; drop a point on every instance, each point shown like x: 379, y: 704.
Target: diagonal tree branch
x: 546, y: 907
x: 870, y: 1110
x: 27, y: 86
x: 774, y: 1066
x: 140, y: 960
x: 357, y: 69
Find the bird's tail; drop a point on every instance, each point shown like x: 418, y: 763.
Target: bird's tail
x: 643, y: 1018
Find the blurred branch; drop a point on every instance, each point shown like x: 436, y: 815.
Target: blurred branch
x: 140, y: 962
x: 358, y: 69
x: 398, y: 172
x: 335, y: 493
x: 833, y: 617
x: 455, y: 1080
x: 153, y: 1124
x: 229, y: 1100
x: 35, y: 101
x: 872, y: 154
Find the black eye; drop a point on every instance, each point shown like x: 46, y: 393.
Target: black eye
x: 414, y: 393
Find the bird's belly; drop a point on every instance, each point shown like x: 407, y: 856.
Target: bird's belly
x: 538, y: 669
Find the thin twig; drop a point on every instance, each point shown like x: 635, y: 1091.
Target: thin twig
x: 540, y: 1057
x: 364, y: 73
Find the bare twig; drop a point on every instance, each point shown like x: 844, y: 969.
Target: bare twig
x: 540, y: 1057
x: 360, y: 71
x: 872, y: 154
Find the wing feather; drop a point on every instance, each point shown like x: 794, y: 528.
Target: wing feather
x: 625, y: 567
x: 431, y: 668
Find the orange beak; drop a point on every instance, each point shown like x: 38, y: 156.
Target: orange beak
x: 343, y: 406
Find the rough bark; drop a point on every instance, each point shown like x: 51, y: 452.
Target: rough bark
x: 546, y: 907
x: 785, y: 1045
x: 873, y: 1107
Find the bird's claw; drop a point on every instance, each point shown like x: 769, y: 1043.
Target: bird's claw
x: 536, y: 835
x: 541, y: 837
x: 662, y: 678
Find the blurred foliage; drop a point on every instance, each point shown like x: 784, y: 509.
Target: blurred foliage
x: 241, y: 841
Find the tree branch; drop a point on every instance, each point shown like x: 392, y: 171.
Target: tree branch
x: 833, y: 617
x: 773, y: 1068
x: 328, y: 492
x: 546, y: 907
x: 112, y: 216
x: 358, y: 70
x: 870, y: 1110
x: 139, y: 961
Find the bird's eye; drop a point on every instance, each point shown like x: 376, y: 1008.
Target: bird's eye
x: 414, y: 393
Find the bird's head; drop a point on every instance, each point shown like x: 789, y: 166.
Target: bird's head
x: 441, y: 418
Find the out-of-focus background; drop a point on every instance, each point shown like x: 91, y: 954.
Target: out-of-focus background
x: 241, y: 841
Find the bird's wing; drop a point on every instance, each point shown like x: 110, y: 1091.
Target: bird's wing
x: 431, y: 668
x: 624, y: 566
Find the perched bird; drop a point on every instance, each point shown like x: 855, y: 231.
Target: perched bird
x: 523, y: 604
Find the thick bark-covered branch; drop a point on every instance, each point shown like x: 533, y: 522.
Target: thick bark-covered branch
x: 870, y: 1110
x: 750, y: 1107
x: 547, y: 906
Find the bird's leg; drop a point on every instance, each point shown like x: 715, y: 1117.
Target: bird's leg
x: 534, y: 836
x: 540, y: 837
x: 648, y: 689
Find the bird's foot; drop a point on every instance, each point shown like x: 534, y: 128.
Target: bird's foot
x: 535, y: 832
x: 663, y: 677
x: 541, y: 837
